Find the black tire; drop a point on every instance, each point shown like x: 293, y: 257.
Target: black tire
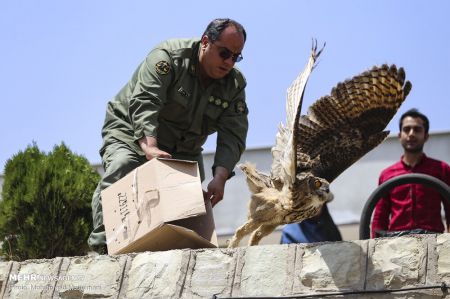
x: 380, y: 191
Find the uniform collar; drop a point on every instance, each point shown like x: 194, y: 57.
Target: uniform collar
x: 193, y: 64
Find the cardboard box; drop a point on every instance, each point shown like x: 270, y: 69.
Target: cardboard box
x: 158, y: 206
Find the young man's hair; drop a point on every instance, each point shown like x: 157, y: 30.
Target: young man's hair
x: 216, y: 27
x: 415, y: 114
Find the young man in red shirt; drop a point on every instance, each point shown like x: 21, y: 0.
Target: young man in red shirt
x: 412, y: 208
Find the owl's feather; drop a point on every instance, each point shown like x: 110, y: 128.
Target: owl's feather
x: 344, y: 126
x: 312, y: 150
x: 284, y: 152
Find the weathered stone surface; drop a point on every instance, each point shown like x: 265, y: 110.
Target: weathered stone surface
x: 331, y: 266
x: 396, y: 262
x: 157, y: 274
x: 264, y: 271
x: 271, y: 271
x: 443, y: 259
x: 33, y: 279
x: 5, y: 267
x: 97, y: 276
x: 424, y: 294
x: 430, y: 268
x: 212, y: 272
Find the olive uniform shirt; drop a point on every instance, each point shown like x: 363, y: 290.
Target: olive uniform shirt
x: 166, y: 100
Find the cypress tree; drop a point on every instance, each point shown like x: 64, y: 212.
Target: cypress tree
x: 46, y: 204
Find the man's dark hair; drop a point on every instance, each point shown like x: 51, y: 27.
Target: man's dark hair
x: 415, y: 114
x: 216, y: 27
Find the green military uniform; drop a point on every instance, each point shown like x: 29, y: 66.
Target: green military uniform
x: 166, y: 100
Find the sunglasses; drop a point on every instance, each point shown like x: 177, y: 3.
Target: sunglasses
x: 224, y: 53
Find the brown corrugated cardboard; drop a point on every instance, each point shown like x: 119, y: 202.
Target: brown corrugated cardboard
x: 158, y: 206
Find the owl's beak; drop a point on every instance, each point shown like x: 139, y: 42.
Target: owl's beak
x: 330, y: 196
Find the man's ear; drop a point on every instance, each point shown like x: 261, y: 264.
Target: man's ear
x: 426, y: 136
x: 204, y: 41
x: 399, y: 134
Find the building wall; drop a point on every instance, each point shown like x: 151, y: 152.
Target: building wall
x: 351, y: 189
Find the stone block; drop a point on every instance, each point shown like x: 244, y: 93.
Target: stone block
x: 396, y: 262
x: 33, y: 279
x: 5, y: 268
x: 263, y: 271
x: 210, y: 272
x: 158, y: 275
x: 443, y: 257
x: 329, y: 267
x: 90, y: 276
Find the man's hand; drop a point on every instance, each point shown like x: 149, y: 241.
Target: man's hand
x: 217, y: 185
x: 149, y: 146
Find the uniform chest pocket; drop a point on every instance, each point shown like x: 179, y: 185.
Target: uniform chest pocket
x: 176, y: 109
x: 213, y: 112
x: 180, y: 100
x: 210, y: 118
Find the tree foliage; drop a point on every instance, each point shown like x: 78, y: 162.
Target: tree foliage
x: 46, y: 204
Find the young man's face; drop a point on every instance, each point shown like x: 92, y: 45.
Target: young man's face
x: 229, y: 44
x: 412, y: 136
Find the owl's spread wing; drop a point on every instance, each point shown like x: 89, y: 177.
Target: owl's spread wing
x: 344, y: 126
x: 285, y: 148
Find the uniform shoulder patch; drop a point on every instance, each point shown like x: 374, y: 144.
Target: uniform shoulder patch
x: 241, y: 107
x: 162, y: 67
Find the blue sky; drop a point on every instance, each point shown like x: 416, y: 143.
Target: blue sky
x: 61, y: 61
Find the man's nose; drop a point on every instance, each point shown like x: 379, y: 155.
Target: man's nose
x: 229, y: 61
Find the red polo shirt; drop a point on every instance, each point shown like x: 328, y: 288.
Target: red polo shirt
x: 412, y: 206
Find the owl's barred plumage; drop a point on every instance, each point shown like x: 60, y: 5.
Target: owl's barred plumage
x: 344, y: 126
x: 314, y: 149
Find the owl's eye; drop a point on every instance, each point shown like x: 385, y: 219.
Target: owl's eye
x: 317, y: 183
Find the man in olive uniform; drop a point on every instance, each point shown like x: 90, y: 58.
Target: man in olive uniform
x: 184, y: 90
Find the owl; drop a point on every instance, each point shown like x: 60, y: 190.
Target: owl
x: 312, y: 150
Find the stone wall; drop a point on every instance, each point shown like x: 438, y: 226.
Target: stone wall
x: 271, y: 271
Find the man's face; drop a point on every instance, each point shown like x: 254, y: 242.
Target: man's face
x: 229, y: 44
x: 412, y: 136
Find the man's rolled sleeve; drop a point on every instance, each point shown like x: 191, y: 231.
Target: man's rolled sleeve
x: 153, y: 78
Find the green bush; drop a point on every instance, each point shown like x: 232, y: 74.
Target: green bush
x: 46, y: 204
